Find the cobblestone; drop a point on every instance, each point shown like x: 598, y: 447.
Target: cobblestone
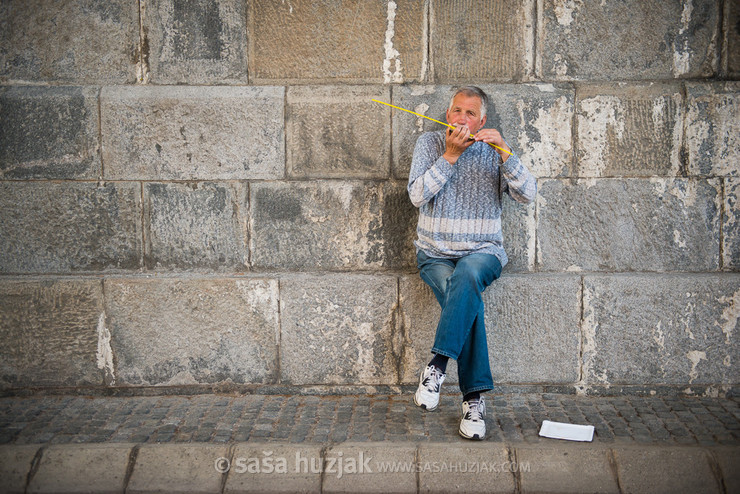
x: 359, y: 418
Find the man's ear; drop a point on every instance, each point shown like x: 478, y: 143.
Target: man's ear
x: 483, y: 121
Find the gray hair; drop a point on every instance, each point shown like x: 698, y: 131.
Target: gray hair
x: 472, y: 91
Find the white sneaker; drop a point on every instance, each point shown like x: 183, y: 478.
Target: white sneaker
x: 472, y: 425
x: 427, y: 394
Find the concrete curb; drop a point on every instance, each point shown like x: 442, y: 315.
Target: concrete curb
x: 406, y: 467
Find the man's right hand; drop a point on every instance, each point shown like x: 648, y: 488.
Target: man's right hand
x: 457, y: 140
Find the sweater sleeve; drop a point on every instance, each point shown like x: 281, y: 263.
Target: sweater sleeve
x: 429, y: 171
x: 517, y: 181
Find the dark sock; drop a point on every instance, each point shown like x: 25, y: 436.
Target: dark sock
x: 475, y: 395
x: 440, y: 362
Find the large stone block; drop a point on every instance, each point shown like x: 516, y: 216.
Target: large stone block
x: 482, y: 40
x: 339, y: 329
x: 196, y: 226
x: 282, y: 468
x: 196, y: 41
x: 666, y: 470
x: 337, y: 131
x: 337, y: 40
x: 561, y: 469
x: 49, y: 132
x: 633, y: 130
x: 69, y: 226
x: 533, y: 328
x: 483, y: 467
x: 631, y: 39
x: 628, y: 225
x: 331, y: 225
x: 519, y: 225
x: 50, y: 332
x: 532, y: 324
x: 76, y: 41
x: 193, y: 331
x: 181, y: 133
x: 183, y: 468
x: 661, y: 329
x: 82, y: 468
x: 713, y: 128
x: 731, y: 226
x: 535, y: 119
x: 380, y: 467
x: 15, y: 464
x: 731, y: 50
x: 431, y: 101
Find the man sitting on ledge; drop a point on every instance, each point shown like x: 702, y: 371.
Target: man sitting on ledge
x: 457, y: 183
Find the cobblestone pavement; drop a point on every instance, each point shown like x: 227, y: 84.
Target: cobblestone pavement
x: 335, y: 419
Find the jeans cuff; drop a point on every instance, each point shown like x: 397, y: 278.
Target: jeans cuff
x: 444, y: 353
x: 481, y: 389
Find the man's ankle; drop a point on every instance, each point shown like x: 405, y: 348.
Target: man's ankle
x: 440, y: 362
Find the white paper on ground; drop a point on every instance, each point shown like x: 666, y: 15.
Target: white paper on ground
x: 571, y: 432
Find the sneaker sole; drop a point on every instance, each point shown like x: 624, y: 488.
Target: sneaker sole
x: 422, y: 405
x: 474, y: 437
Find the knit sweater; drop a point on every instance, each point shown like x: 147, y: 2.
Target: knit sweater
x: 460, y: 205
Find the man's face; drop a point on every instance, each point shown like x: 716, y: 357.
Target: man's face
x: 465, y: 110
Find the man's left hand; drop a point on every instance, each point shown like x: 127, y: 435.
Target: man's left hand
x: 493, y: 136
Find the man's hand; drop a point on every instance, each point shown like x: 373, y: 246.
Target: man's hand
x: 493, y: 136
x: 457, y: 140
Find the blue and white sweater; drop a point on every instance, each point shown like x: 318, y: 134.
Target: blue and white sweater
x: 460, y: 205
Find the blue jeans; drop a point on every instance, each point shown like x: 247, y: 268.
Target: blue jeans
x: 458, y: 285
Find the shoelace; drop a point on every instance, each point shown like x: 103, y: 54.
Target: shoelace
x: 433, y: 381
x: 476, y: 410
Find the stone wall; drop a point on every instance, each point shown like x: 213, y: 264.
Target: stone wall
x: 200, y: 194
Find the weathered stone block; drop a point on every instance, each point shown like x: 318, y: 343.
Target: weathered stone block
x: 661, y: 329
x: 336, y: 40
x: 731, y: 50
x: 448, y: 468
x: 196, y: 226
x: 535, y: 119
x: 15, y: 464
x: 562, y: 469
x: 713, y: 128
x: 57, y: 227
x: 184, y: 468
x: 337, y: 131
x: 375, y: 478
x: 665, y: 470
x: 76, y: 41
x: 49, y: 334
x: 49, y: 132
x: 533, y: 328
x: 532, y: 324
x: 207, y: 132
x: 628, y: 225
x: 431, y: 101
x: 502, y: 48
x: 82, y: 468
x: 197, y: 331
x: 331, y: 225
x: 196, y: 41
x: 276, y: 468
x: 633, y: 130
x: 519, y: 226
x: 338, y: 329
x: 627, y: 40
x: 731, y: 226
